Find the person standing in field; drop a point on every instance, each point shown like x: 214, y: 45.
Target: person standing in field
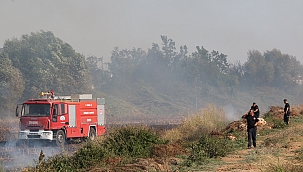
x: 256, y: 110
x: 252, y: 123
x: 286, y: 111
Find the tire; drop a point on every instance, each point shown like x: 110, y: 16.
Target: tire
x: 92, y: 134
x: 60, y: 138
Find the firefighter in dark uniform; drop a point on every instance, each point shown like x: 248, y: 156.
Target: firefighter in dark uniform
x: 256, y: 109
x: 286, y: 111
x: 252, y: 123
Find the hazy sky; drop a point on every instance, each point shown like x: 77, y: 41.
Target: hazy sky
x: 95, y: 27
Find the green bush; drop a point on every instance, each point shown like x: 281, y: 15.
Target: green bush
x: 60, y: 162
x: 131, y: 141
x: 277, y: 123
x: 89, y: 155
x: 85, y: 157
x: 209, y: 147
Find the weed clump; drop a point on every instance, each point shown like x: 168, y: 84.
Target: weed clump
x: 209, y: 147
x: 274, y: 122
x: 131, y: 141
x: 285, y: 167
x: 299, y: 155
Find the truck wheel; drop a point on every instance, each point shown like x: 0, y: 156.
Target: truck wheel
x: 60, y: 138
x: 92, y: 134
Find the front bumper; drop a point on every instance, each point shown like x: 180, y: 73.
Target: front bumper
x: 41, y: 134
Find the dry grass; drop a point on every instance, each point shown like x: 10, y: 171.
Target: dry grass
x: 277, y: 150
x: 204, y: 121
x: 9, y: 129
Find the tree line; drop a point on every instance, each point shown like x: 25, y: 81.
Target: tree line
x: 40, y: 61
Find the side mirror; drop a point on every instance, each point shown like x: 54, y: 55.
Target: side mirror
x: 18, y: 109
x: 17, y: 112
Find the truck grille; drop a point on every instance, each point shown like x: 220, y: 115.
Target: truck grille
x: 34, y: 127
x: 33, y: 136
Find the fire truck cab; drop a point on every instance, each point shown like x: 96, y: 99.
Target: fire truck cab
x: 61, y: 118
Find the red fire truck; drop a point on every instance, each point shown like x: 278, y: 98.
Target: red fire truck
x: 61, y: 118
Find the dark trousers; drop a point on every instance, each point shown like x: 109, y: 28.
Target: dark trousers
x: 252, y: 132
x: 286, y: 118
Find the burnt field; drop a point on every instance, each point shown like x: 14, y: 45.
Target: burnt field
x: 15, y: 158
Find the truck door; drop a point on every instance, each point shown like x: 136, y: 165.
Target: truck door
x: 60, y: 113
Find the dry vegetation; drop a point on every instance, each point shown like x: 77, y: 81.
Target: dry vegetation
x: 9, y: 129
x: 206, y: 120
x: 203, y: 142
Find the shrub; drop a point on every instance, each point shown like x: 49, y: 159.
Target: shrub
x: 60, y: 162
x: 131, y: 141
x: 276, y: 123
x: 89, y: 155
x: 209, y: 147
x: 279, y: 124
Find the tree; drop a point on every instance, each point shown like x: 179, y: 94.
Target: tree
x: 271, y: 69
x: 259, y: 71
x: 286, y: 68
x: 124, y: 64
x: 11, y: 84
x: 96, y: 73
x: 169, y: 54
x: 46, y: 62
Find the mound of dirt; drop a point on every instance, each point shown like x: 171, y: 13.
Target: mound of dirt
x: 276, y: 111
x: 241, y: 125
x: 236, y: 126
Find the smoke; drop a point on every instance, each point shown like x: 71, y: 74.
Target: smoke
x: 231, y: 113
x: 17, y: 158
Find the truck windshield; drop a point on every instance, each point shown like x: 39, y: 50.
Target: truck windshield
x: 36, y: 110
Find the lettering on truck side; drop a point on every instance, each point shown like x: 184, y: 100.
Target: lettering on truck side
x: 88, y: 113
x: 32, y: 122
